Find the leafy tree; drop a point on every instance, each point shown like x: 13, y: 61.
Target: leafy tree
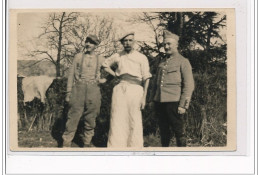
x: 199, y: 35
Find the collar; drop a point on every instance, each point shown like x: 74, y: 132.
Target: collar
x: 173, y: 57
x: 125, y: 53
x: 89, y: 55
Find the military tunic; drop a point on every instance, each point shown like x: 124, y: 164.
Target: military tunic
x: 174, y: 81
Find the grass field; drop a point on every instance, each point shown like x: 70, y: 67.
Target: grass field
x: 44, y: 139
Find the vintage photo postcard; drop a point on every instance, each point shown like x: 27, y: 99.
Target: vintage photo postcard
x: 122, y: 80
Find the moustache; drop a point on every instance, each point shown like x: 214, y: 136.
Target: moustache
x: 88, y: 47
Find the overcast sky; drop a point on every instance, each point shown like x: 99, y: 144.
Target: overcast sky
x: 29, y: 27
x: 29, y: 24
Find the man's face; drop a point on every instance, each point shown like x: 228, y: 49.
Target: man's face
x: 170, y: 46
x: 90, y: 45
x: 128, y: 43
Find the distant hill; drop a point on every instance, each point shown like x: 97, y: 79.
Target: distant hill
x: 35, y: 68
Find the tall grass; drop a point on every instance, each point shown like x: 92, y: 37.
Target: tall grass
x: 207, y: 116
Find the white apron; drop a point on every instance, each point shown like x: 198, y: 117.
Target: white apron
x: 126, y: 128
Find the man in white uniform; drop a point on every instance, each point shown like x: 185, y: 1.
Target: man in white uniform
x: 129, y: 96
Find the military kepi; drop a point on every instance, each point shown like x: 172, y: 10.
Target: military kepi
x: 168, y: 34
x: 93, y: 38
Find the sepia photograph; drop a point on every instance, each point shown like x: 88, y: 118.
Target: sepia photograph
x: 139, y: 79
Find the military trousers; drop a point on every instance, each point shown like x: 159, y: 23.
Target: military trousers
x: 84, y: 102
x: 168, y: 117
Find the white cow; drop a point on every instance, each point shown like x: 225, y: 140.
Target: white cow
x: 36, y: 87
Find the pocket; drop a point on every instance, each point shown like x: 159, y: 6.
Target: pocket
x: 172, y: 69
x: 141, y: 94
x: 173, y: 75
x: 78, y: 66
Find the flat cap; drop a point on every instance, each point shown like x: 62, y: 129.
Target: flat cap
x: 168, y: 34
x: 93, y: 38
x: 126, y: 34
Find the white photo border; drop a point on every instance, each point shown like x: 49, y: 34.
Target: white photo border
x: 198, y: 163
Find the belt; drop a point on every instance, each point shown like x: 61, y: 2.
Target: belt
x: 130, y: 79
x: 87, y: 81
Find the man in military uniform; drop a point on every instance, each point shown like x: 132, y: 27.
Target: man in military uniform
x: 83, y: 93
x: 173, y: 90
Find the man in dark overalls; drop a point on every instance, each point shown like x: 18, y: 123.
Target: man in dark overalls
x: 173, y: 90
x: 83, y: 92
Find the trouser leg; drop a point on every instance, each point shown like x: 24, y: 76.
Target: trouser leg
x: 177, y: 123
x: 134, y: 96
x: 118, y: 130
x: 92, y: 109
x: 164, y: 126
x: 75, y: 112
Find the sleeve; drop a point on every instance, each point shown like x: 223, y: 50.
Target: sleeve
x: 110, y: 61
x: 71, y: 75
x: 145, y: 69
x: 187, y: 84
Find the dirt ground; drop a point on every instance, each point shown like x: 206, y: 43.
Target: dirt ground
x: 36, y: 139
x: 44, y: 139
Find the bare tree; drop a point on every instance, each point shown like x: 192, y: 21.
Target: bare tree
x: 64, y: 36
x: 54, y: 46
x: 154, y: 22
x: 102, y: 27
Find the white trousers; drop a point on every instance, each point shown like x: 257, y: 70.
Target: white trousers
x: 126, y: 129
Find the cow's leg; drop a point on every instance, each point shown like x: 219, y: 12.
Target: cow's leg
x: 40, y: 119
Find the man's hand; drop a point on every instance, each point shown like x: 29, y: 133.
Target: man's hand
x: 143, y: 103
x: 151, y: 104
x: 67, y: 99
x: 181, y: 110
x: 102, y: 80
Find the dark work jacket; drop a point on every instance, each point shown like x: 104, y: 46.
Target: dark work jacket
x: 174, y: 81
